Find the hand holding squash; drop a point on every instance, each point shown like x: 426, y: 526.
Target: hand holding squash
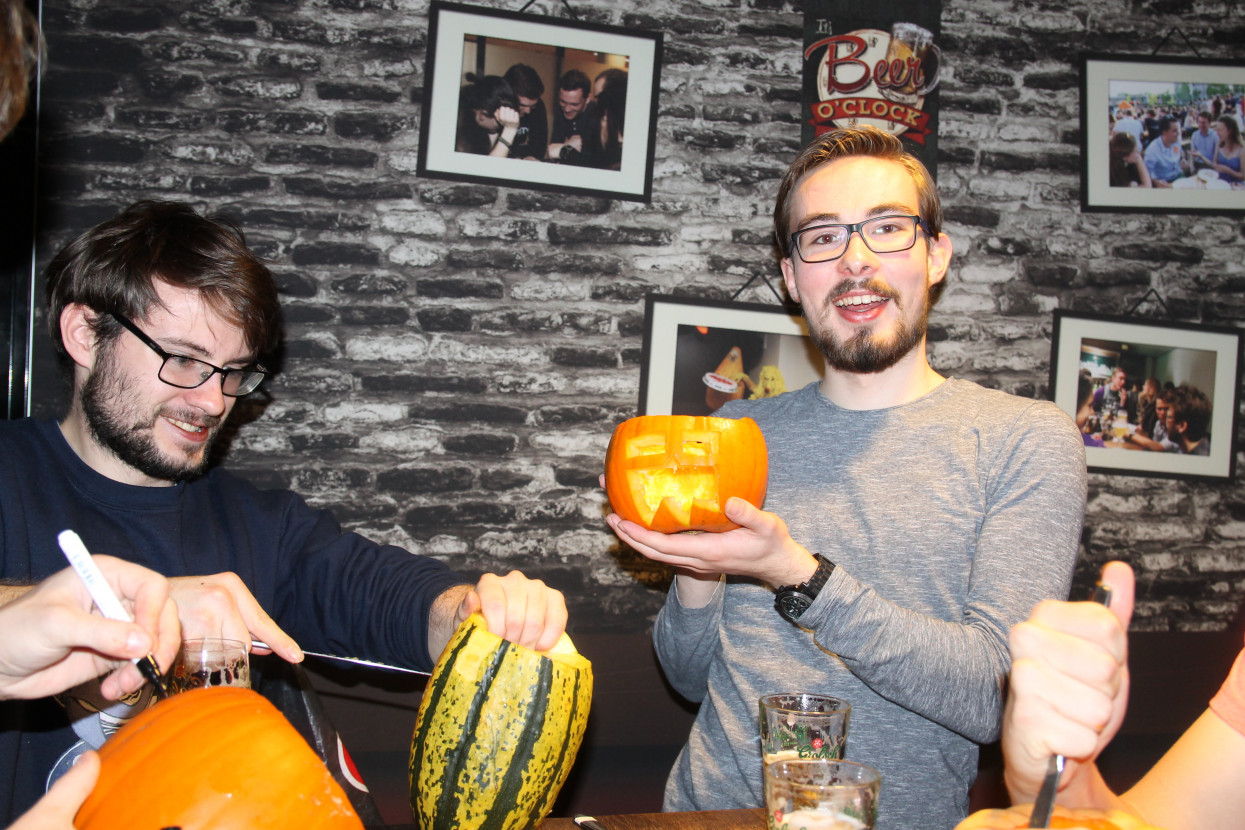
x: 497, y: 731
x: 516, y: 608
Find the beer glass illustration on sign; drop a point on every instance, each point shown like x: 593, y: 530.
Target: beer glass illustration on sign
x: 914, y: 62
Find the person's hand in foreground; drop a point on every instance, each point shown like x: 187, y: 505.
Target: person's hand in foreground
x: 55, y: 638
x: 56, y: 810
x: 1068, y: 692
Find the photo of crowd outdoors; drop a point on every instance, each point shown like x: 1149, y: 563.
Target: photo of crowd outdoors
x: 1135, y: 396
x: 542, y: 103
x: 1175, y: 134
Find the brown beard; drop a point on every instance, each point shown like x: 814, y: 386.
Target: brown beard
x: 104, y: 406
x: 865, y: 352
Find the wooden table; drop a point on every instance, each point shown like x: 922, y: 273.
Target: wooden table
x: 709, y: 820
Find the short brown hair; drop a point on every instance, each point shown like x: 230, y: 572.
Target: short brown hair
x: 20, y: 46
x: 1191, y: 406
x: 115, y: 265
x: 856, y: 141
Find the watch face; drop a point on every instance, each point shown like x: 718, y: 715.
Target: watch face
x: 792, y: 604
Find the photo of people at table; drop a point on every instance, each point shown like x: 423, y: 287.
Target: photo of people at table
x: 1173, y: 134
x: 542, y: 103
x: 1144, y: 397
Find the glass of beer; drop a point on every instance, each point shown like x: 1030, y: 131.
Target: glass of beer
x: 820, y: 794
x: 914, y: 60
x: 211, y: 662
x: 803, y: 725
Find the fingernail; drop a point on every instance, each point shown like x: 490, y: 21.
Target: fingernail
x: 135, y: 642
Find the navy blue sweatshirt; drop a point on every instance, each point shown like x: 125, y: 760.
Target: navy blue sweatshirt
x: 331, y: 591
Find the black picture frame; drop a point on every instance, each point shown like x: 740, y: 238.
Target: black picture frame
x: 1205, y: 357
x: 460, y: 38
x: 686, y: 340
x: 1106, y: 81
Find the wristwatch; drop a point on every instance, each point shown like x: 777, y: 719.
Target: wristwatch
x: 793, y: 600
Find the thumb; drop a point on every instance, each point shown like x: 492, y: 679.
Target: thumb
x: 1118, y: 576
x: 741, y: 511
x: 470, y: 604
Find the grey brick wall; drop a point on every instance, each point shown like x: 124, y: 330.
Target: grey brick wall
x: 457, y: 355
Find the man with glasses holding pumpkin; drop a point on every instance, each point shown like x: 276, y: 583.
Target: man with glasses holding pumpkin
x: 167, y: 318
x: 910, y: 520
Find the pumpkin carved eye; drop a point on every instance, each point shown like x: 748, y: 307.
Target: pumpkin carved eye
x: 675, y: 472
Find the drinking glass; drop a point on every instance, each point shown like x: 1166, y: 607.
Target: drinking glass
x: 821, y: 794
x: 803, y: 725
x: 211, y: 662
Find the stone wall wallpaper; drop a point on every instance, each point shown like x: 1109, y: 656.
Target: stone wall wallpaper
x: 457, y: 355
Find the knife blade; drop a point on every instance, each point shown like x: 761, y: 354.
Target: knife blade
x: 1044, y: 806
x: 358, y: 661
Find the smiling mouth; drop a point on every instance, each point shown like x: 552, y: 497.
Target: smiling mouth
x: 186, y: 426
x: 860, y: 301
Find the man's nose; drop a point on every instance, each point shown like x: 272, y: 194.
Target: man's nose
x: 209, y: 396
x: 858, y: 255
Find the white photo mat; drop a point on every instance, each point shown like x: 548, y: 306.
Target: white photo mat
x: 1070, y: 330
x: 453, y: 23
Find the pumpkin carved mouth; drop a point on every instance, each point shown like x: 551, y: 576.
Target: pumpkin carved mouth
x: 672, y: 473
x: 684, y: 475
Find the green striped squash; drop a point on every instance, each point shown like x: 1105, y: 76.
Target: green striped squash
x: 497, y: 731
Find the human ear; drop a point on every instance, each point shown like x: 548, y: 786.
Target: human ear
x: 788, y: 277
x: 939, y: 258
x: 77, y: 334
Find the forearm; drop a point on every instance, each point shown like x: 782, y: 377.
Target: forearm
x: 685, y: 640
x: 1196, y: 785
x: 948, y: 672
x: 950, y: 665
x: 443, y: 618
x: 501, y: 147
x: 696, y: 590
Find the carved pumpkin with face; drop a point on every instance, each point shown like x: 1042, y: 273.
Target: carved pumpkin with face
x: 672, y: 473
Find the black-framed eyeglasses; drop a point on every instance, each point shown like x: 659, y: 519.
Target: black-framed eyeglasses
x: 881, y: 234
x: 189, y: 372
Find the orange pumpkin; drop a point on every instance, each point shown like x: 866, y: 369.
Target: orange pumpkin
x: 672, y: 473
x: 219, y: 757
x: 1084, y: 818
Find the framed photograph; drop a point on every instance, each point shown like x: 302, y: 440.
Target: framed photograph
x: 699, y: 354
x: 578, y: 91
x: 1147, y: 145
x: 1150, y: 398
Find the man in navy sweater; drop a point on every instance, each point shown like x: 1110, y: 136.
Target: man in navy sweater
x: 166, y: 318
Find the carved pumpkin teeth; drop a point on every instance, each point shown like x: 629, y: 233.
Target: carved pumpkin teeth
x: 673, y: 473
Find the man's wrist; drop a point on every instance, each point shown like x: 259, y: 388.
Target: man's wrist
x: 802, y: 567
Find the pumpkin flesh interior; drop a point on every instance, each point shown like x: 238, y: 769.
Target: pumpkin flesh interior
x: 684, y: 473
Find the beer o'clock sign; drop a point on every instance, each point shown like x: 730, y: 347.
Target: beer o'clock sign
x: 875, y: 62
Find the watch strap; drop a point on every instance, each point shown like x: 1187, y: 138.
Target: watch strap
x: 793, y: 600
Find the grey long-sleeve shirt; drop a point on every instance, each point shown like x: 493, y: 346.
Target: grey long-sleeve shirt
x: 948, y: 518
